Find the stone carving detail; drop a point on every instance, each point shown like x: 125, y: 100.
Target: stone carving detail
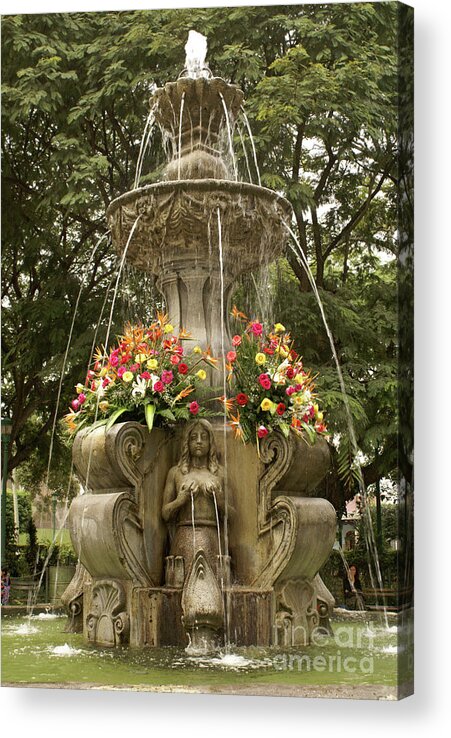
x: 107, y: 460
x: 297, y: 615
x: 72, y: 599
x: 180, y: 219
x: 194, y: 498
x: 108, y: 623
x: 202, y: 606
x: 276, y: 518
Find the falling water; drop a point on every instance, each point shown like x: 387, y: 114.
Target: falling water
x: 107, y: 338
x: 369, y: 537
x: 193, y: 523
x: 224, y: 426
x: 229, y: 136
x: 148, y: 130
x: 243, y: 146
x: 246, y: 120
x: 63, y: 368
x: 182, y: 103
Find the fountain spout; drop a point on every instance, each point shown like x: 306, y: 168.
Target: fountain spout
x: 196, y: 52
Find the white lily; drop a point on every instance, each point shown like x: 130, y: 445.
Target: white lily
x: 139, y: 387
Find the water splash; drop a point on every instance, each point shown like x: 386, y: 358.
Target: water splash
x: 196, y: 53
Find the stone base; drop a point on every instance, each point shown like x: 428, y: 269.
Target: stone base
x: 156, y: 617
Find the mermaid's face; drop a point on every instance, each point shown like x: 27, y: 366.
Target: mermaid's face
x: 199, y: 442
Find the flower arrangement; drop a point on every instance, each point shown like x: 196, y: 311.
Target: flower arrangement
x: 272, y: 390
x: 147, y: 376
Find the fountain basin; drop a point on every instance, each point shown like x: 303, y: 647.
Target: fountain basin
x: 179, y: 224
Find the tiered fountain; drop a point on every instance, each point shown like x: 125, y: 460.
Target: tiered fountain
x: 188, y: 537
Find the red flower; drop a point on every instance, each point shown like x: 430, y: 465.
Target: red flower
x: 158, y: 386
x: 125, y: 358
x: 146, y: 375
x: 257, y: 329
x: 134, y: 367
x: 280, y: 409
x: 183, y: 368
x: 290, y: 372
x: 231, y: 356
x: 242, y: 399
x: 262, y: 431
x: 194, y: 407
x: 269, y: 351
x: 236, y: 340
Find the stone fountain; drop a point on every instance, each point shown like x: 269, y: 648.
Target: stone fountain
x: 186, y: 536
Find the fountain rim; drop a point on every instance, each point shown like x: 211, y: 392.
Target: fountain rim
x: 199, y: 185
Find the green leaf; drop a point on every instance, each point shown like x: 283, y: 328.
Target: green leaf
x: 166, y: 413
x: 149, y: 412
x: 285, y: 428
x: 112, y: 419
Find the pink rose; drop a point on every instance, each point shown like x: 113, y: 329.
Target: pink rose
x: 146, y: 375
x: 134, y: 367
x: 81, y: 398
x: 265, y: 381
x: 236, y: 341
x: 194, y: 407
x: 262, y: 431
x: 231, y: 356
x: 75, y: 404
x: 158, y: 386
x: 290, y: 391
x: 167, y: 377
x: 121, y: 371
x: 114, y: 360
x: 257, y: 329
x: 175, y: 359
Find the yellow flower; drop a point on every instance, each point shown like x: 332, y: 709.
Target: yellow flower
x: 152, y: 364
x: 316, y: 408
x: 140, y: 358
x: 282, y: 351
x: 103, y: 406
x: 260, y: 358
x: 79, y: 387
x: 299, y: 379
x: 319, y: 416
x: 266, y: 404
x: 279, y: 328
x: 197, y: 350
x: 168, y: 328
x: 127, y: 376
x: 201, y: 374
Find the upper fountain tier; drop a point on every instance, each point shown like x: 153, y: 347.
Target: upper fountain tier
x: 198, y: 116
x: 200, y: 227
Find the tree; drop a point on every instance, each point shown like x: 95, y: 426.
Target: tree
x: 323, y: 110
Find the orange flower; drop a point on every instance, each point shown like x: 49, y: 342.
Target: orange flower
x: 227, y: 402
x: 236, y: 425
x: 206, y: 355
x: 184, y: 393
x: 238, y: 314
x: 184, y: 334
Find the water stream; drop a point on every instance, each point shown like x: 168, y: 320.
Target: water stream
x: 368, y: 527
